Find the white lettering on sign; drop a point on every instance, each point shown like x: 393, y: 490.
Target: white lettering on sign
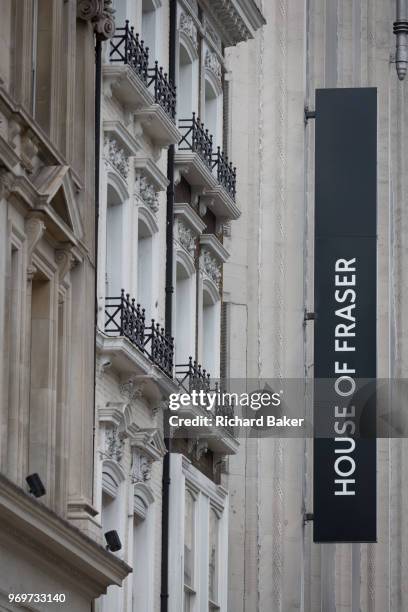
x: 345, y: 384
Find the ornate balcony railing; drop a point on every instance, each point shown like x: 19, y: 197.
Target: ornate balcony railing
x: 197, y: 139
x: 160, y: 347
x: 164, y: 90
x: 125, y: 318
x: 192, y: 377
x: 126, y: 48
x: 226, y: 174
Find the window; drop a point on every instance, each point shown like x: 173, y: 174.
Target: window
x: 120, y: 12
x: 149, y: 28
x: 185, y: 86
x: 114, y: 243
x: 145, y: 258
x: 189, y: 551
x: 211, y: 334
x: 185, y: 309
x: 213, y: 561
x: 41, y: 376
x: 211, y: 112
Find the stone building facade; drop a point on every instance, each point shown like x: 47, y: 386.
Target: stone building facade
x: 304, y: 46
x: 138, y: 363
x: 51, y: 546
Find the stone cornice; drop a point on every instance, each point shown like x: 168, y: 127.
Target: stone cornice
x: 185, y: 212
x: 43, y: 530
x: 237, y: 20
x: 214, y: 246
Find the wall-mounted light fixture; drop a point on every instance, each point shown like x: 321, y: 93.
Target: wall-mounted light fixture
x: 113, y: 542
x: 35, y: 485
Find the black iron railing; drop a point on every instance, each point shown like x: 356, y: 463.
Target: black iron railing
x: 160, y: 347
x: 226, y: 174
x: 126, y: 48
x: 164, y: 90
x: 193, y: 377
x: 197, y: 139
x: 125, y: 318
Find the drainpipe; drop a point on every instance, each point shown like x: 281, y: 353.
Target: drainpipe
x: 164, y: 594
x: 401, y: 32
x: 98, y: 79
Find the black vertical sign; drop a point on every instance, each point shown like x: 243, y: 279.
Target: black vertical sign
x: 345, y: 326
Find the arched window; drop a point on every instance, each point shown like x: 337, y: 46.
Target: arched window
x: 145, y: 267
x: 185, y: 308
x: 213, y: 106
x: 114, y: 242
x: 211, y: 331
x: 185, y: 86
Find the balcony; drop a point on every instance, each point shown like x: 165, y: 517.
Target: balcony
x: 145, y: 91
x: 193, y: 377
x: 209, y: 170
x: 124, y: 318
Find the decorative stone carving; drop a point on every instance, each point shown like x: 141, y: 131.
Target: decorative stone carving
x: 100, y: 13
x: 187, y: 26
x: 65, y: 261
x: 212, y: 63
x: 148, y: 194
x: 35, y: 228
x: 147, y: 446
x: 132, y: 389
x: 197, y: 448
x: 186, y: 237
x: 141, y: 467
x: 212, y: 268
x: 116, y: 157
x: 114, y: 443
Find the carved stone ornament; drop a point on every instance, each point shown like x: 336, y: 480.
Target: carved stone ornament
x: 197, y: 448
x: 132, y: 389
x: 148, y: 194
x: 100, y: 13
x: 187, y: 26
x: 211, y: 267
x: 34, y: 228
x: 141, y: 467
x: 114, y: 443
x: 65, y: 261
x: 186, y: 237
x: 116, y: 157
x: 212, y: 63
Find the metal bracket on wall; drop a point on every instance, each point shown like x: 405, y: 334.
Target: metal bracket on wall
x: 310, y: 316
x: 308, y: 517
x: 309, y: 114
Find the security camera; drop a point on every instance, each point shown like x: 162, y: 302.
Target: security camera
x: 113, y: 542
x: 36, y: 486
